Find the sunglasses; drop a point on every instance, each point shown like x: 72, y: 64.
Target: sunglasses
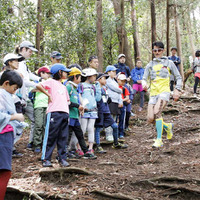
x: 157, y: 50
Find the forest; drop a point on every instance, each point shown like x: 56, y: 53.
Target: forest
x: 107, y: 28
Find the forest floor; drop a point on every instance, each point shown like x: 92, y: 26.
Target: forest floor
x: 138, y: 172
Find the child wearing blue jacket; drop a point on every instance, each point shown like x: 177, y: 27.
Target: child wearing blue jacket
x: 90, y: 92
x: 137, y: 75
x: 11, y: 123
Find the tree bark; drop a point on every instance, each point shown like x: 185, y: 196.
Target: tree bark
x: 178, y: 38
x: 99, y: 35
x: 39, y: 28
x: 167, y: 32
x: 121, y: 32
x: 135, y: 32
x: 153, y: 21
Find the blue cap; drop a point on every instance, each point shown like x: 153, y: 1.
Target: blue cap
x: 56, y: 67
x: 110, y: 68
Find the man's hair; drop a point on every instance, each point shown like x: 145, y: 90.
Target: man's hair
x: 91, y: 58
x: 173, y: 48
x: 13, y: 78
x: 197, y: 53
x: 158, y: 44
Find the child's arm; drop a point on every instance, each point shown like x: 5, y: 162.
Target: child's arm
x: 113, y: 87
x: 41, y: 89
x: 98, y: 91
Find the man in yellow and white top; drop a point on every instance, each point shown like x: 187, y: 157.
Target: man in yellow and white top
x: 158, y: 72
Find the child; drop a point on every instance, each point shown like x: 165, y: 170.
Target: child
x: 136, y: 75
x: 114, y: 92
x: 121, y: 79
x: 90, y: 93
x: 104, y: 117
x: 56, y: 131
x: 40, y: 107
x: 159, y: 70
x: 196, y: 70
x: 74, y: 78
x: 10, y: 124
x: 177, y: 62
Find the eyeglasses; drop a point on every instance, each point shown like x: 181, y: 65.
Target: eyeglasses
x: 157, y: 50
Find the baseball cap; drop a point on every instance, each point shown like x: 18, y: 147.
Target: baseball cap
x: 56, y: 67
x: 56, y: 54
x: 121, y: 55
x: 100, y: 75
x: 89, y: 72
x: 12, y: 56
x: 29, y: 45
x: 110, y: 68
x: 121, y: 76
x: 43, y: 69
x: 74, y: 71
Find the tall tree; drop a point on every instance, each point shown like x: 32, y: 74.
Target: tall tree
x: 178, y: 37
x: 121, y: 32
x: 135, y: 32
x: 99, y: 34
x: 167, y: 32
x: 153, y: 21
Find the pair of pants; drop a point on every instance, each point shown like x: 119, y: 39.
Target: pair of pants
x: 141, y: 97
x: 87, y: 124
x: 79, y: 135
x: 196, y: 84
x: 121, y: 124
x: 40, y: 122
x: 56, y: 132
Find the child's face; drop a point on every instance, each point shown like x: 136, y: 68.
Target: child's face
x: 121, y: 82
x: 112, y: 74
x: 64, y: 75
x: 157, y: 52
x: 92, y: 78
x: 10, y: 88
x: 45, y: 75
x: 94, y: 63
x: 14, y: 64
x: 102, y: 80
x: 139, y: 64
x: 77, y: 80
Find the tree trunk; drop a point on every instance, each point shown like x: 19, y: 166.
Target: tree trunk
x: 153, y: 21
x: 178, y: 38
x: 99, y: 35
x: 167, y: 32
x: 121, y: 32
x: 39, y: 28
x: 135, y: 33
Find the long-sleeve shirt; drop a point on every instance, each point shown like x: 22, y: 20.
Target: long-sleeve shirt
x: 137, y: 74
x: 158, y: 71
x: 121, y: 67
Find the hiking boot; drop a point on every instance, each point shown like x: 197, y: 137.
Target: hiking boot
x: 140, y: 109
x: 119, y: 146
x: 169, y: 131
x: 37, y: 150
x: 47, y: 163
x: 99, y: 149
x: 157, y: 143
x: 64, y: 163
x: 16, y: 154
x: 30, y: 146
x: 90, y: 155
x: 79, y: 152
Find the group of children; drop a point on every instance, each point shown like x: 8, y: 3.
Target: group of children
x: 68, y: 102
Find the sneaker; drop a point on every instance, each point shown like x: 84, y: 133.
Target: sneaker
x: 16, y: 154
x: 140, y: 109
x: 157, y: 143
x: 90, y: 155
x: 109, y: 137
x: 169, y: 131
x: 64, y: 163
x: 30, y: 146
x: 99, y: 149
x: 132, y: 114
x: 47, y: 163
x: 71, y: 154
x: 195, y: 95
x: 119, y: 146
x: 79, y: 152
x: 37, y: 150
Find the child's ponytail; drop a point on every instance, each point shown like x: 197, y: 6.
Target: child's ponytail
x: 17, y: 49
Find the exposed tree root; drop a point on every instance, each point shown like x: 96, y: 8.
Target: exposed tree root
x: 171, y: 112
x: 197, y: 110
x: 118, y: 196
